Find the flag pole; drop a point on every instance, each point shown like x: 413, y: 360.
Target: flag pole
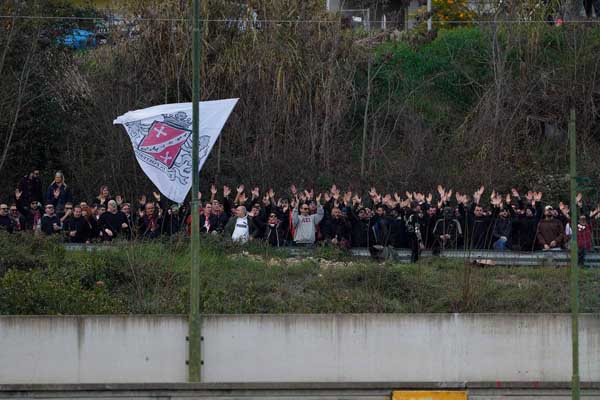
x: 574, y: 261
x: 195, y: 356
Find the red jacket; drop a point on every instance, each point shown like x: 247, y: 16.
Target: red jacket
x: 584, y: 236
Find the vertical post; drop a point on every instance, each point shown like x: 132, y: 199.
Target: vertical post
x: 363, y: 152
x: 194, y: 356
x: 429, y: 21
x: 574, y: 260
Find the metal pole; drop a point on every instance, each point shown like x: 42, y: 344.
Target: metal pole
x: 429, y: 21
x: 195, y: 356
x: 574, y: 261
x: 363, y: 152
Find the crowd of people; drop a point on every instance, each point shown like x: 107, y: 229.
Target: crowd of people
x: 416, y: 221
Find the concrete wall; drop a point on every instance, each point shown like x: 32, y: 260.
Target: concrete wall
x: 93, y: 349
x: 299, y: 348
x: 392, y: 347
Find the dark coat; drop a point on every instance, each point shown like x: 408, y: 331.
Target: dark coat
x: 112, y: 222
x: 78, y: 225
x: 63, y: 198
x: 149, y: 228
x: 32, y: 189
x: 31, y: 216
x: 6, y: 224
x: 550, y: 230
x: 336, y: 228
x: 48, y: 224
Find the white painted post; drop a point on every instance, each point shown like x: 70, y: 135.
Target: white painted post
x: 429, y: 21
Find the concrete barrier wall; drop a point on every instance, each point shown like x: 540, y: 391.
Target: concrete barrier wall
x: 392, y: 347
x: 299, y: 348
x: 93, y: 349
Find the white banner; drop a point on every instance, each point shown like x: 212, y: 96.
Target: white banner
x: 162, y: 141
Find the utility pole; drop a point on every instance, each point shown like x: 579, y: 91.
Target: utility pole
x: 574, y: 260
x: 194, y: 354
x: 363, y: 152
x: 429, y: 20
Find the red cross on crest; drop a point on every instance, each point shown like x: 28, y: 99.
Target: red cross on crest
x: 163, y: 142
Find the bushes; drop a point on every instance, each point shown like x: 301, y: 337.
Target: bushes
x: 54, y: 292
x: 153, y: 278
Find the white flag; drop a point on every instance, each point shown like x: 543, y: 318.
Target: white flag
x: 162, y: 141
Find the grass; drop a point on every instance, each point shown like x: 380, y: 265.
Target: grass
x: 38, y: 276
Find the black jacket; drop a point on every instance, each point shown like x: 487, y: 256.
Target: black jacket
x: 336, y: 228
x: 363, y: 234
x: 447, y: 226
x: 275, y: 235
x: 113, y: 222
x: 213, y: 223
x: 502, y: 227
x: 171, y: 223
x: 477, y: 229
x: 78, y: 225
x: 48, y: 224
x: 6, y: 224
x: 149, y: 228
x: 28, y: 214
x: 32, y: 189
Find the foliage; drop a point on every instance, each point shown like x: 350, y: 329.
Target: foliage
x: 152, y: 278
x: 450, y: 13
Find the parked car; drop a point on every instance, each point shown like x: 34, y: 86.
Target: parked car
x: 77, y: 39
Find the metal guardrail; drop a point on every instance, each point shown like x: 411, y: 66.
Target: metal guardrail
x: 293, y: 391
x: 403, y: 256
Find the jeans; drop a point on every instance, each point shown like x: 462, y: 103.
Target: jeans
x: 587, y: 4
x: 500, y: 244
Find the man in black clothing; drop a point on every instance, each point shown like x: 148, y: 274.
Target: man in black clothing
x: 76, y: 227
x: 273, y: 230
x: 414, y: 224
x: 126, y: 210
x: 17, y: 219
x: 447, y: 232
x: 476, y: 226
x: 397, y: 226
x: 5, y: 221
x: 222, y: 215
x: 525, y: 227
x: 501, y: 234
x: 31, y: 212
x: 50, y: 221
x: 149, y: 222
x: 209, y: 222
x: 362, y: 234
x: 31, y: 187
x: 336, y: 229
x: 430, y: 218
x: 112, y: 222
x: 171, y: 221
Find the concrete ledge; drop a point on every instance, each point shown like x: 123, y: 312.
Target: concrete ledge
x: 291, y: 386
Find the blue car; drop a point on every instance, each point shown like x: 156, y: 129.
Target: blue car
x: 78, y: 39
